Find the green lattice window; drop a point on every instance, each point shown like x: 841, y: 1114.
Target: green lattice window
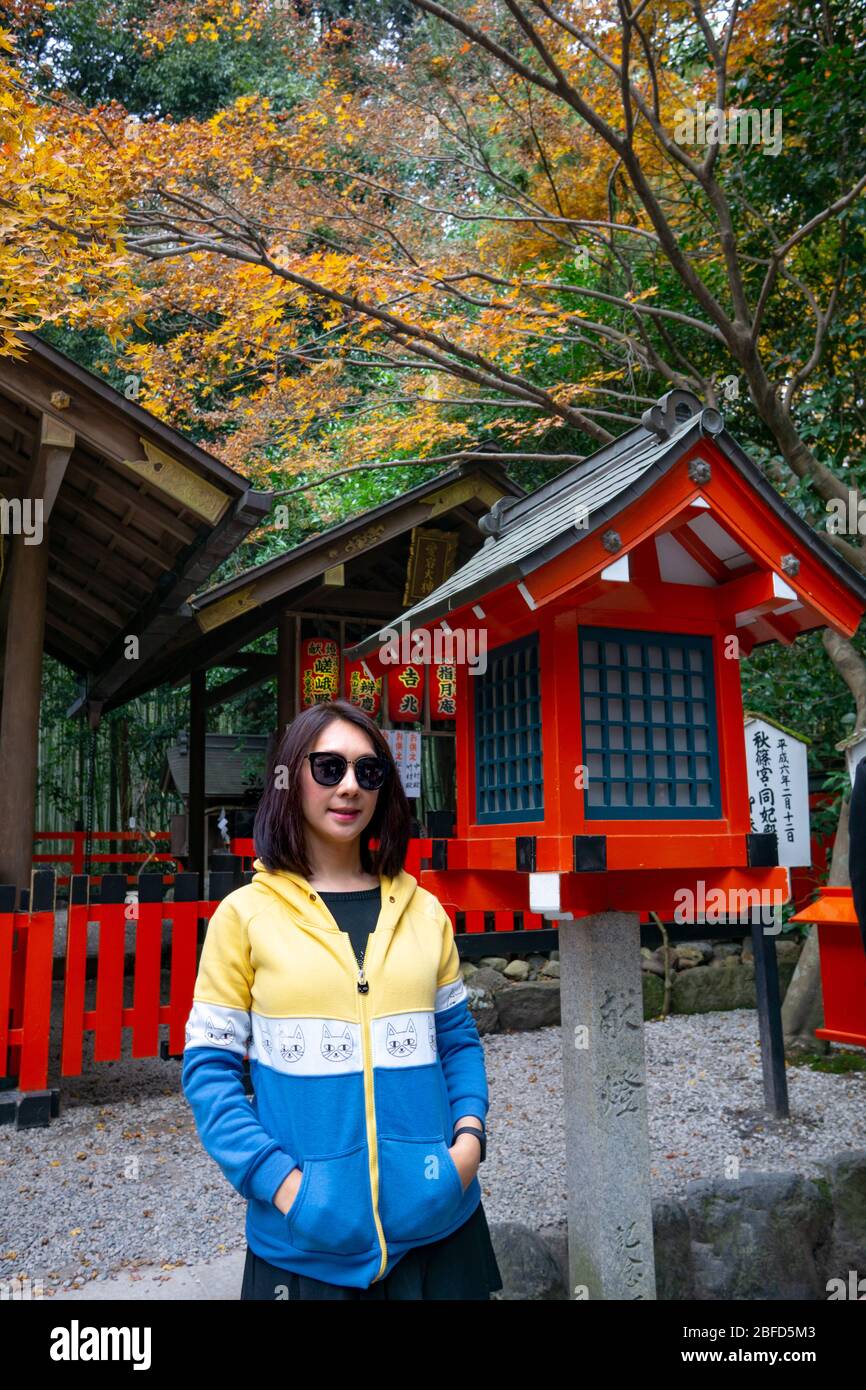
x: 650, y: 742
x: 508, y: 764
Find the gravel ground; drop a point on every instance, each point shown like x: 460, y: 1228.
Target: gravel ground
x: 120, y: 1179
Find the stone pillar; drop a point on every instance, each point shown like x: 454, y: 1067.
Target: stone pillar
x: 610, y: 1235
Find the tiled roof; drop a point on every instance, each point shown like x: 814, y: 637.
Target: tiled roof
x: 534, y: 529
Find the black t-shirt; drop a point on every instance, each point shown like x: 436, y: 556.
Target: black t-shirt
x: 356, y: 913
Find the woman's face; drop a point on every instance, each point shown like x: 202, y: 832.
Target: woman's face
x: 339, y: 813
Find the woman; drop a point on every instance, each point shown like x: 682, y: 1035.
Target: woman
x: 339, y: 977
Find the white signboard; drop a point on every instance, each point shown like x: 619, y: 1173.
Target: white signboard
x: 406, y: 749
x: 779, y: 788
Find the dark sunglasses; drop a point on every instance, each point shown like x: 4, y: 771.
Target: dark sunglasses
x: 329, y: 769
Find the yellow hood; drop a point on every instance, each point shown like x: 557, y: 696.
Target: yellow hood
x: 302, y: 898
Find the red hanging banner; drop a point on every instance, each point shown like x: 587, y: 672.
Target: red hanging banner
x: 319, y: 671
x: 406, y: 692
x: 443, y: 690
x: 363, y: 690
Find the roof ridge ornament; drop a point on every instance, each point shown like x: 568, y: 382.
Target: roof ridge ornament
x: 674, y: 409
x: 492, y: 523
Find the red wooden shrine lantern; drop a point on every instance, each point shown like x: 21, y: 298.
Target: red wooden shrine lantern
x: 319, y: 670
x: 843, y: 965
x: 443, y: 690
x: 363, y: 688
x: 841, y: 937
x: 600, y: 753
x: 406, y: 692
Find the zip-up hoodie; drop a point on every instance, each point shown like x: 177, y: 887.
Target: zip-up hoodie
x: 360, y: 1090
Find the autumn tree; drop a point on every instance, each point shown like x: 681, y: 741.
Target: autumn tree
x: 507, y: 231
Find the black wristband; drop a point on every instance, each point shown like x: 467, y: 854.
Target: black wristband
x: 479, y: 1135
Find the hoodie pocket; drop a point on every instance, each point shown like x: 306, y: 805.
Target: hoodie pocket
x: 420, y: 1189
x: 332, y: 1213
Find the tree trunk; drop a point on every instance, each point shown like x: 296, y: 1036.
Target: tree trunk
x: 123, y: 786
x: 803, y: 1007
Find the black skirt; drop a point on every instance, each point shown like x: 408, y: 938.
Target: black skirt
x: 460, y: 1266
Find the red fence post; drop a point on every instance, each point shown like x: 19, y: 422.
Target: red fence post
x: 36, y: 1005
x: 109, y: 970
x: 26, y: 961
x: 74, y: 981
x: 187, y: 909
x: 7, y: 958
x: 147, y: 988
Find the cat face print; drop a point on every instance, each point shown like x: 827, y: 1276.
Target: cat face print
x: 400, y: 1042
x: 337, y: 1047
x: 219, y: 1032
x: 292, y: 1044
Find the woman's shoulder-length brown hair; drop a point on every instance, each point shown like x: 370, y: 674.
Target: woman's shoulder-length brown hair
x: 279, y: 827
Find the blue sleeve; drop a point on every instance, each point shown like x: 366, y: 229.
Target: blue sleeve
x: 217, y: 1033
x: 461, y: 1051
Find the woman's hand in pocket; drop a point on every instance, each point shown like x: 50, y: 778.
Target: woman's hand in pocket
x: 466, y: 1155
x: 288, y: 1191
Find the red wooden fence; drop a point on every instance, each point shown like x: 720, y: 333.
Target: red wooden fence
x: 26, y: 960
x: 26, y: 966
x: 148, y: 1009
x: 75, y: 855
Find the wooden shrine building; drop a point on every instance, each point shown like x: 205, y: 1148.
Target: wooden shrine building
x: 109, y: 520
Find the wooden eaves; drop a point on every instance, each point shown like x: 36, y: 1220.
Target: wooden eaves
x: 140, y: 516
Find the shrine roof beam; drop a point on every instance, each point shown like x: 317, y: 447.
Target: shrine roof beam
x: 753, y: 594
x: 102, y: 415
x: 279, y: 577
